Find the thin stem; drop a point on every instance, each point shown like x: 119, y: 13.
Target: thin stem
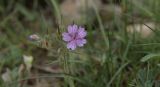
x: 67, y: 69
x: 101, y: 26
x: 117, y: 73
x: 57, y: 11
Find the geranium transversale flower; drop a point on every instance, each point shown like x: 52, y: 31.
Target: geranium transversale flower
x: 75, y: 37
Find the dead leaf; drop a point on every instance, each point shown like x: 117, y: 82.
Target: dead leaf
x: 142, y: 29
x: 6, y: 76
x: 28, y: 61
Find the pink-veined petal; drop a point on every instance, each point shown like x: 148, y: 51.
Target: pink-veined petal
x: 66, y: 37
x: 71, y: 45
x: 81, y: 42
x: 81, y: 33
x: 72, y: 29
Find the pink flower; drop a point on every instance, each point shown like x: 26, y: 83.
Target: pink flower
x: 34, y: 37
x: 75, y: 36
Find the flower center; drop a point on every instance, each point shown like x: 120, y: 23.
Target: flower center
x: 74, y: 36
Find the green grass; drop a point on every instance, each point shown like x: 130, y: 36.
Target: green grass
x: 112, y: 57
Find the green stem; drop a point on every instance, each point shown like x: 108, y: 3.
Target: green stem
x: 67, y: 69
x: 101, y: 26
x: 57, y: 10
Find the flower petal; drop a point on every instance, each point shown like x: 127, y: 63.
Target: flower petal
x: 81, y: 33
x: 81, y: 42
x: 72, y: 29
x: 71, y: 45
x: 66, y: 37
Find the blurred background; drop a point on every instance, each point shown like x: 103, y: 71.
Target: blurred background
x: 122, y: 50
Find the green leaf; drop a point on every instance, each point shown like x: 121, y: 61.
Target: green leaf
x: 149, y: 56
x: 158, y: 65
